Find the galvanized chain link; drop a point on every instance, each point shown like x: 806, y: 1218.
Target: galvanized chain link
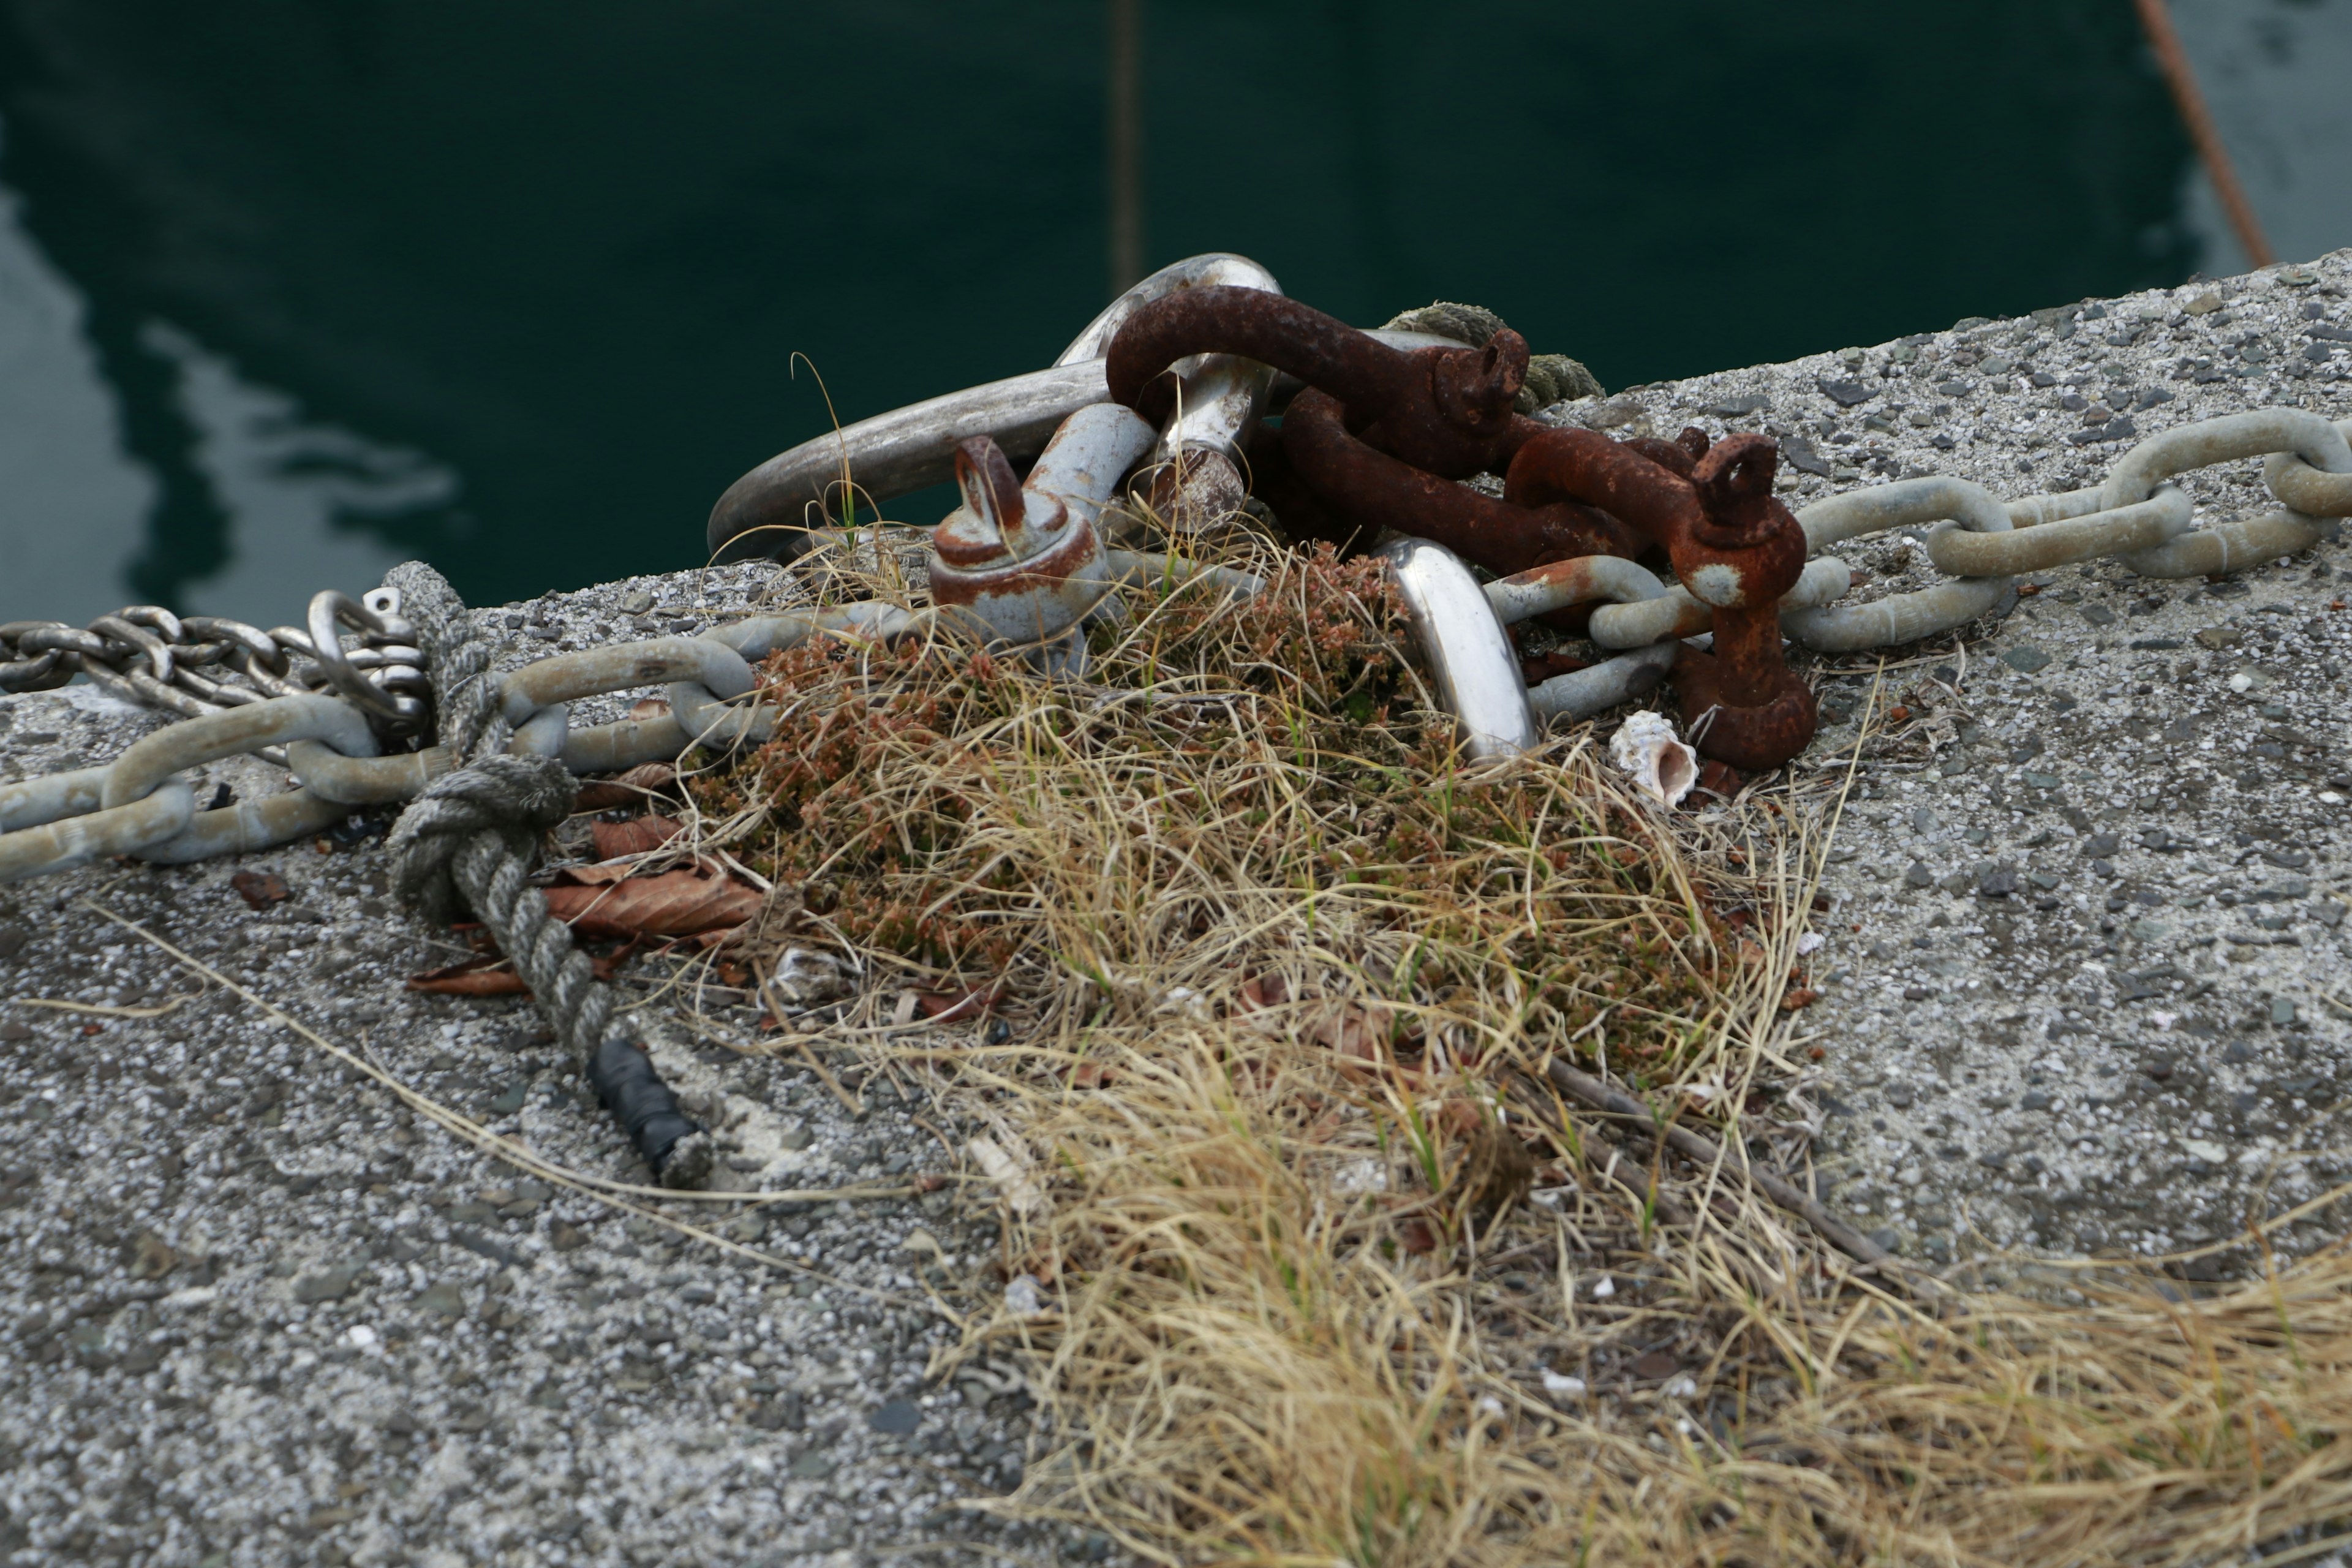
x: 136, y: 806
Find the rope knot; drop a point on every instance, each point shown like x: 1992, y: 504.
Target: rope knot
x: 516, y: 798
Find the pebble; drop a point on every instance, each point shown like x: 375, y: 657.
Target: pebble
x: 444, y: 1299
x: 331, y: 1284
x: 896, y: 1418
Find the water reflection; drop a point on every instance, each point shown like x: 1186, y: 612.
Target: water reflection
x: 2274, y: 74
x: 302, y: 497
x: 73, y: 503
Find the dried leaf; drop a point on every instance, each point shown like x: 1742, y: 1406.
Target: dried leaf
x: 948, y: 1006
x: 261, y: 890
x: 1354, y: 1030
x: 676, y: 903
x: 630, y: 788
x: 634, y: 836
x: 1798, y: 996
x: 1262, y: 992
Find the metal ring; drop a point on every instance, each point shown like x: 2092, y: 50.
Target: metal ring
x: 1899, y: 618
x: 114, y: 628
x: 1478, y: 679
x: 328, y: 607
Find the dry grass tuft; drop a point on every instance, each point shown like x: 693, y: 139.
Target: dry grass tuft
x: 1283, y: 972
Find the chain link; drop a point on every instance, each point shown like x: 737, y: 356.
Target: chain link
x: 301, y: 697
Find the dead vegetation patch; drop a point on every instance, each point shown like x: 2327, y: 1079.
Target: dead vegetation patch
x: 1252, y: 981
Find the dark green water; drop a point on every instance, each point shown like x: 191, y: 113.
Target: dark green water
x: 517, y: 286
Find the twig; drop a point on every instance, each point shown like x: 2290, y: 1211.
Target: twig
x: 173, y: 1005
x: 1707, y: 1152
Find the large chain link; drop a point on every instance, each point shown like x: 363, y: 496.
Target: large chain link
x: 247, y: 691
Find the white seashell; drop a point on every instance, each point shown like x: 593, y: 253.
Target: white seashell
x: 1646, y: 748
x: 1560, y: 1387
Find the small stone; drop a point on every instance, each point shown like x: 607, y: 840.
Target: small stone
x: 1845, y: 393
x: 896, y: 1418
x: 2034, y: 1099
x: 2221, y: 637
x: 1916, y: 993
x: 444, y: 1299
x: 637, y: 601
x: 1804, y: 457
x: 12, y: 939
x: 1917, y: 874
x: 1900, y: 1095
x: 797, y: 1137
x: 2281, y: 1010
x: 509, y: 1100
x: 152, y: 1257
x: 779, y: 1413
x: 2097, y: 614
x: 2026, y: 660
x: 565, y: 1237
x: 812, y: 1466
x: 2203, y: 304
x: 1998, y: 883
x: 331, y: 1284
x: 14, y: 1032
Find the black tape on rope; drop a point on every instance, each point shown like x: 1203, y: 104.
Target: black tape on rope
x: 623, y: 1078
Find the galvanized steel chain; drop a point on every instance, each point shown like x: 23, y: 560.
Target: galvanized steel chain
x: 196, y: 665
x: 2137, y: 516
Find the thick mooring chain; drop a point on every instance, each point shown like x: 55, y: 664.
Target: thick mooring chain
x: 138, y: 805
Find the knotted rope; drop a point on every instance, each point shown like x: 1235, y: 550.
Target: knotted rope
x: 469, y: 841
x: 1551, y: 378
